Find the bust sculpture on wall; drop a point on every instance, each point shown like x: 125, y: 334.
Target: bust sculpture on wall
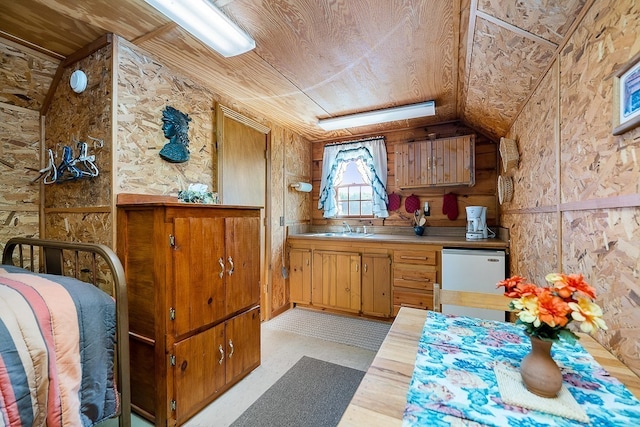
x: 175, y: 125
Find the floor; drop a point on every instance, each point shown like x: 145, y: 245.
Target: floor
x: 285, y: 339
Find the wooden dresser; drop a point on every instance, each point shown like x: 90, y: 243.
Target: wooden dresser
x: 193, y: 276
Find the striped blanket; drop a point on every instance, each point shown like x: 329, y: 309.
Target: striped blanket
x: 56, y: 351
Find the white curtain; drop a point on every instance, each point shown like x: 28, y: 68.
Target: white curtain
x: 373, y: 156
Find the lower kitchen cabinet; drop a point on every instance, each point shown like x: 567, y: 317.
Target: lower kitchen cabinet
x: 376, y: 289
x: 300, y: 276
x: 414, y: 273
x: 336, y: 280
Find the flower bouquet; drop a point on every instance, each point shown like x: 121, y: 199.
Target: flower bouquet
x: 546, y: 311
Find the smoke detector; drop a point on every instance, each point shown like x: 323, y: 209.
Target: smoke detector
x: 78, y: 81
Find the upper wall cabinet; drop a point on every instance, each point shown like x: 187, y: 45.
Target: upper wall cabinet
x: 436, y: 163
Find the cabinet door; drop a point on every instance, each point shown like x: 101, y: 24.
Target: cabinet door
x: 243, y: 344
x: 454, y: 161
x: 199, y: 287
x: 242, y: 260
x: 199, y: 370
x: 414, y: 163
x: 300, y: 276
x: 376, y: 284
x: 336, y: 280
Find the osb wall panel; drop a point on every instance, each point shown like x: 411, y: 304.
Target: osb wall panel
x: 145, y: 88
x: 603, y: 245
x: 595, y: 163
x: 483, y: 193
x: 18, y: 224
x: 75, y: 117
x: 279, y: 289
x: 498, y: 84
x: 26, y: 76
x: 19, y: 158
x: 549, y: 20
x: 533, y: 245
x: 534, y: 180
x: 80, y: 227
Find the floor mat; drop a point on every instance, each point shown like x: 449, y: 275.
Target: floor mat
x: 313, y: 393
x: 357, y: 332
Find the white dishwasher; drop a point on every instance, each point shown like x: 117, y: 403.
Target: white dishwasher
x: 473, y: 270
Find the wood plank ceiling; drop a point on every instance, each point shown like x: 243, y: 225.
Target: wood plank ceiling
x: 478, y: 59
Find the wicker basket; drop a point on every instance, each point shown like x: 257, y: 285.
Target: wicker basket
x: 509, y: 154
x: 505, y: 189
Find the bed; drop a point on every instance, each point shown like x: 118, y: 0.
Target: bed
x: 64, y: 349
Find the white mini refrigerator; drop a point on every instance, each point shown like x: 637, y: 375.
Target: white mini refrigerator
x: 473, y: 270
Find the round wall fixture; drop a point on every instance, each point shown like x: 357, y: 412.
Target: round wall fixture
x: 78, y: 81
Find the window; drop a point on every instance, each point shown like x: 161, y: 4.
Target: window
x: 354, y: 179
x: 355, y: 196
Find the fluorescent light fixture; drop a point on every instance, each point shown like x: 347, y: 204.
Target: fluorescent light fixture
x: 208, y: 24
x: 403, y: 112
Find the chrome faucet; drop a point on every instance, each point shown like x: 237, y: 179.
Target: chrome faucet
x: 347, y: 226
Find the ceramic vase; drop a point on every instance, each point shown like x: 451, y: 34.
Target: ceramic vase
x: 540, y: 373
x: 419, y: 230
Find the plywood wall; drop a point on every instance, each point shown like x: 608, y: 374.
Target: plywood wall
x: 25, y: 79
x: 483, y: 193
x: 145, y: 88
x: 73, y: 117
x: 576, y: 204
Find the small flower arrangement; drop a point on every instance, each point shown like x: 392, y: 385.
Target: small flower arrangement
x: 546, y: 311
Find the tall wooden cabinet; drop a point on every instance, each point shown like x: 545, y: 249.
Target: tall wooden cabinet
x: 193, y: 276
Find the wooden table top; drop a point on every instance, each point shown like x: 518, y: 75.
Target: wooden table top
x: 381, y: 396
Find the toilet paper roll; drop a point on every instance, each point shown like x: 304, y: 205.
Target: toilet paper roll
x: 305, y: 187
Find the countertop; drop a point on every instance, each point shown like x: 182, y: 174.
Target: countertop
x: 445, y: 241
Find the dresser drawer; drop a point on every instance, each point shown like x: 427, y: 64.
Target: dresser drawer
x: 416, y: 256
x: 414, y: 276
x: 410, y: 298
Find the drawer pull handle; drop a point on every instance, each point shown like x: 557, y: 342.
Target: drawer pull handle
x: 424, y: 258
x: 415, y: 279
x: 221, y: 350
x: 365, y: 267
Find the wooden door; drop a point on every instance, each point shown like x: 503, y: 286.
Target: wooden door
x: 199, y: 288
x: 242, y: 344
x: 300, y: 276
x: 242, y: 260
x: 199, y: 370
x: 376, y: 284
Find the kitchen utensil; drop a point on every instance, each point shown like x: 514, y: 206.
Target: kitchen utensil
x: 416, y: 217
x: 423, y: 220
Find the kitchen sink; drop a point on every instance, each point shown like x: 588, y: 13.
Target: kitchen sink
x: 342, y: 235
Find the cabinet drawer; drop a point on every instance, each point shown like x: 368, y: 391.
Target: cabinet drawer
x: 415, y: 277
x: 416, y: 299
x: 415, y: 256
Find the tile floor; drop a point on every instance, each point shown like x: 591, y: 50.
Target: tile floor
x: 281, y: 349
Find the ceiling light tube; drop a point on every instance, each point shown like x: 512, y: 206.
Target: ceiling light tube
x: 208, y: 24
x: 403, y: 112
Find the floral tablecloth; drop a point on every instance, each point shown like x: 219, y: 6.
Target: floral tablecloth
x: 454, y: 381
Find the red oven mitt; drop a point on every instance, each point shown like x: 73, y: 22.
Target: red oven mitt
x: 450, y: 206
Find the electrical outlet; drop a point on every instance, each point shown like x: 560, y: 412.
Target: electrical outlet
x: 427, y: 210
x: 281, y: 221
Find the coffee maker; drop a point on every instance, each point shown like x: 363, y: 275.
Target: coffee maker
x: 477, y: 222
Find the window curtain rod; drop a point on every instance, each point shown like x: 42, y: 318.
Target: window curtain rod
x: 355, y: 141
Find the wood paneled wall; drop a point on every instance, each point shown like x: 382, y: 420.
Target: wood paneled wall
x: 483, y: 193
x: 576, y: 203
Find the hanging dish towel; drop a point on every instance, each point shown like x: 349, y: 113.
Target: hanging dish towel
x: 394, y: 202
x: 450, y: 206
